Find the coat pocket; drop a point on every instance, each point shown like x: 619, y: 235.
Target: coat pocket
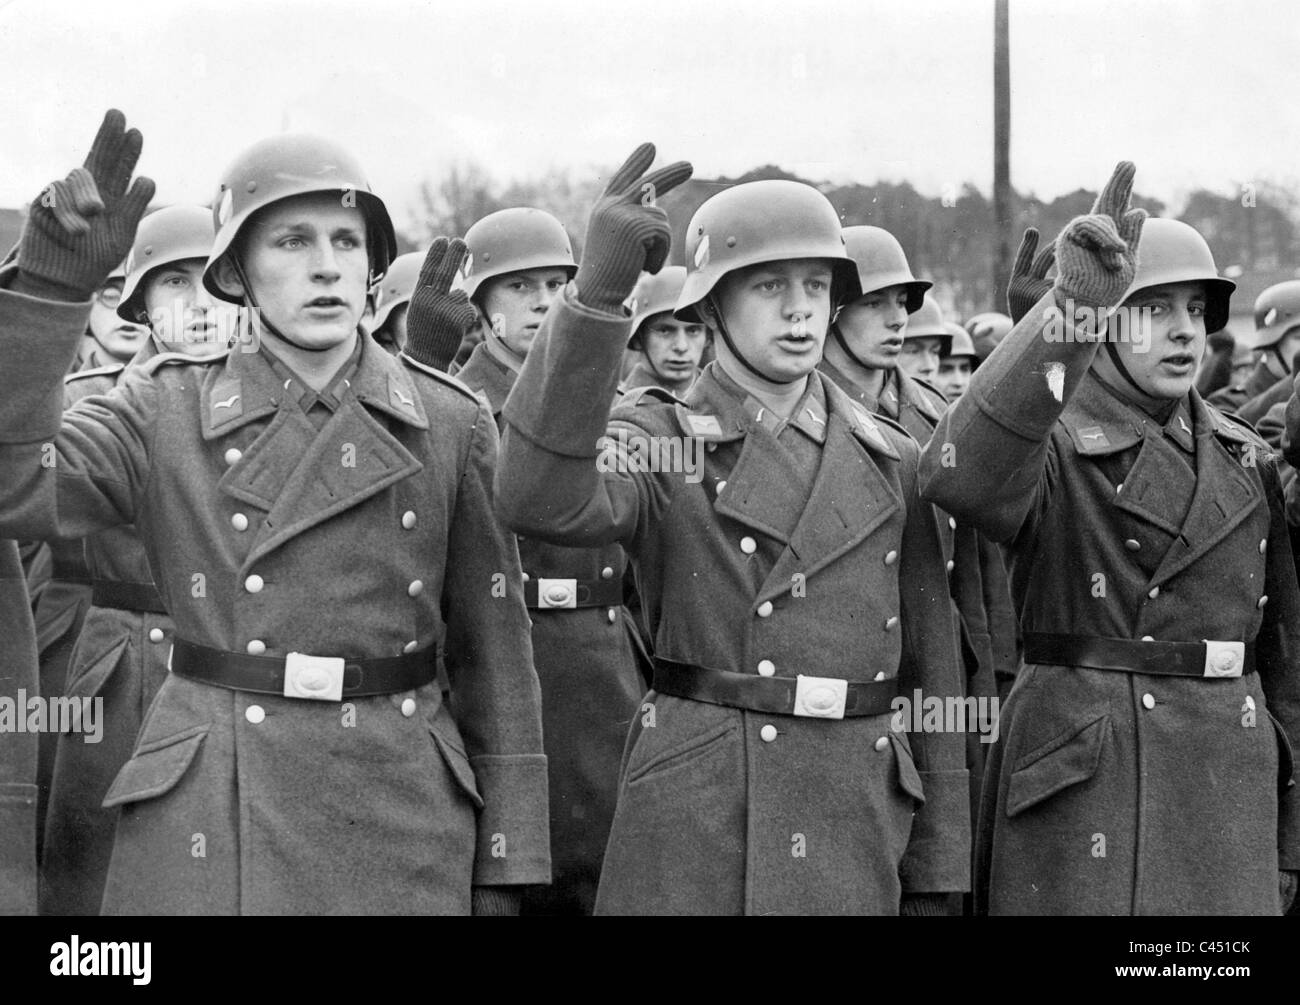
x: 156, y: 767
x: 1067, y: 759
x: 681, y: 753
x: 909, y: 779
x: 90, y: 680
x: 447, y: 741
x: 1285, y: 757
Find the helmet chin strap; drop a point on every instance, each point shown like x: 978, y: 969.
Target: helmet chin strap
x: 1123, y: 369
x: 844, y: 344
x: 263, y: 322
x: 726, y: 337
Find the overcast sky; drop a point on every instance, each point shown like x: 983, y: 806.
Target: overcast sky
x: 1197, y: 92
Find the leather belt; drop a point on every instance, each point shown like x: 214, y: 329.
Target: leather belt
x: 126, y: 596
x: 812, y: 697
x: 552, y: 594
x: 1179, y: 659
x: 299, y: 675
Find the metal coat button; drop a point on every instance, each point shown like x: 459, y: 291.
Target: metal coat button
x: 1263, y: 546
x: 1148, y: 638
x: 254, y: 583
x: 765, y: 609
x: 891, y: 557
x: 613, y: 615
x: 890, y: 623
x: 768, y: 733
x: 607, y: 573
x: 408, y: 707
x: 1153, y: 592
x: 155, y: 634
x: 1133, y: 544
x: 952, y: 523
x: 255, y: 714
x: 748, y: 545
x: 256, y: 647
x: 410, y: 646
x: 721, y: 485
x: 239, y: 521
x: 1262, y: 601
x: 882, y: 743
x: 766, y: 668
x: 950, y: 565
x: 233, y: 455
x: 408, y: 519
x: 880, y: 675
x: 416, y: 588
x: 1148, y: 701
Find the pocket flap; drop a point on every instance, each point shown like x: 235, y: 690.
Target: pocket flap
x: 155, y: 768
x: 454, y: 755
x: 908, y: 777
x: 91, y: 680
x: 1068, y: 758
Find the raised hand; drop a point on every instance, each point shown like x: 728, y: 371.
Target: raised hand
x: 1096, y: 254
x: 79, y: 228
x: 627, y: 232
x: 1029, y: 280
x: 439, y: 317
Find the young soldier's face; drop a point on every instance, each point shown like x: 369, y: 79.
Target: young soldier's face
x: 953, y: 376
x: 873, y: 326
x: 1162, y: 358
x: 120, y: 339
x: 920, y: 357
x: 673, y: 347
x: 777, y: 314
x: 306, y: 260
x: 514, y: 304
x: 182, y: 313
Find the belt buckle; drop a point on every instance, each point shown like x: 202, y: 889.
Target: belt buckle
x: 315, y: 677
x: 1224, y: 659
x: 820, y: 697
x: 557, y: 593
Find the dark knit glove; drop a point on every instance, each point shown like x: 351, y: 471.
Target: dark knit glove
x: 923, y: 905
x: 1096, y: 255
x: 1029, y: 282
x: 439, y: 317
x: 495, y: 901
x: 80, y: 228
x: 1287, y: 881
x: 627, y: 234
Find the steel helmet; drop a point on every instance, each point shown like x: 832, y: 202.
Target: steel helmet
x: 881, y: 263
x: 987, y: 330
x: 1277, y: 312
x: 173, y: 234
x: 960, y: 344
x: 1170, y: 251
x: 512, y: 240
x: 397, y: 287
x: 928, y: 323
x: 288, y: 165
x: 756, y: 222
x: 655, y: 294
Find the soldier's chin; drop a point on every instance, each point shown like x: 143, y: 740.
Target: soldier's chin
x: 319, y: 335
x: 1169, y: 387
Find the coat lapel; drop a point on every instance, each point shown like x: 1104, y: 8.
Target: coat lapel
x: 851, y: 496
x: 486, y: 376
x: 1225, y: 494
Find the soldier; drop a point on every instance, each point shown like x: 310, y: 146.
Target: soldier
x: 791, y: 579
x: 392, y: 298
x: 110, y: 338
x: 986, y: 331
x: 18, y: 681
x: 1276, y: 342
x: 926, y: 340
x: 956, y: 364
x: 1143, y: 765
x: 121, y: 652
x: 668, y: 351
x: 583, y: 639
x: 317, y: 520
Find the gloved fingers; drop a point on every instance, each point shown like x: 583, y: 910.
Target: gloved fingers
x: 1096, y: 234
x: 72, y: 200
x: 135, y: 202
x: 657, y: 183
x: 106, y: 148
x: 1114, y: 198
x: 445, y: 272
x: 430, y: 270
x: 1028, y: 244
x: 1131, y: 227
x: 1044, y: 262
x: 633, y: 168
x: 657, y: 248
x: 120, y: 170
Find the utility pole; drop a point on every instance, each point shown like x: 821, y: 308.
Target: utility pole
x: 1002, y: 211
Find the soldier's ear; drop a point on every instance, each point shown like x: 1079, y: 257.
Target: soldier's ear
x: 227, y: 278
